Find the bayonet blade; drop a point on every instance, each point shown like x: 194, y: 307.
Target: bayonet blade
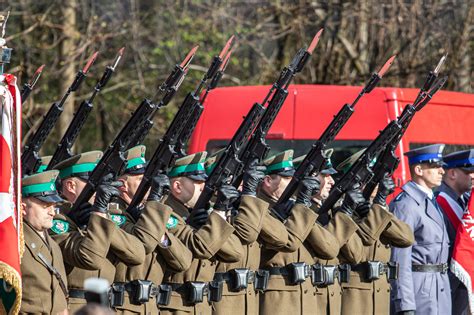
x: 315, y: 41
x: 36, y: 77
x: 228, y: 45
x: 90, y: 62
x: 117, y: 59
x: 440, y: 64
x: 189, y: 57
x: 386, y: 66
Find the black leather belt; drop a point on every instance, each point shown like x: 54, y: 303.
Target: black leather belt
x: 443, y: 268
x: 295, y: 273
x: 77, y: 294
x: 238, y: 279
x: 192, y: 292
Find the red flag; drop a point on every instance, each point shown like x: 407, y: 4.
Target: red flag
x: 10, y: 187
x: 463, y: 251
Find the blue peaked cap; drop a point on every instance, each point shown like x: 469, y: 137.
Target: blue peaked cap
x: 462, y: 159
x: 428, y: 154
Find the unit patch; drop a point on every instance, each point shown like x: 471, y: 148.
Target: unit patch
x: 60, y: 226
x: 118, y: 219
x: 172, y: 222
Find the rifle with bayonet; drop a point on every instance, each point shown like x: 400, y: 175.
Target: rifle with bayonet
x: 257, y: 122
x: 361, y: 172
x: 164, y: 156
x: 388, y: 161
x: 30, y: 159
x: 63, y: 150
x: 257, y: 148
x: 315, y: 159
x: 188, y: 130
x: 28, y: 87
x: 113, y: 160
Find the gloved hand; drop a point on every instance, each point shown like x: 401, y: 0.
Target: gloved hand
x: 160, y: 185
x: 81, y: 215
x: 226, y: 195
x: 198, y: 218
x: 352, y: 199
x: 363, y: 209
x: 406, y: 313
x: 386, y: 187
x: 283, y: 211
x: 252, y: 178
x: 308, y: 187
x: 135, y: 212
x: 104, y: 194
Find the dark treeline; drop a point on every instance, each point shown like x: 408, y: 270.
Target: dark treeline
x: 359, y: 36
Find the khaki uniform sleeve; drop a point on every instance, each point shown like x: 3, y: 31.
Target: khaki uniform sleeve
x: 87, y: 250
x: 372, y: 226
x: 127, y: 247
x: 398, y: 234
x: 151, y: 226
x: 324, y: 244
x: 273, y: 231
x: 231, y: 251
x: 353, y: 251
x: 344, y: 229
x: 205, y: 242
x: 249, y: 221
x: 177, y: 256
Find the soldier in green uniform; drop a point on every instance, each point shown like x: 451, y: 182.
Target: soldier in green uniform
x: 90, y: 240
x: 43, y: 275
x: 163, y: 250
x: 209, y: 237
x: 287, y: 293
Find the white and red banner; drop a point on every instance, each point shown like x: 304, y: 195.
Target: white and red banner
x: 11, y: 246
x: 463, y: 252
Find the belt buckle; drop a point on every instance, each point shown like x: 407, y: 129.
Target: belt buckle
x: 444, y: 268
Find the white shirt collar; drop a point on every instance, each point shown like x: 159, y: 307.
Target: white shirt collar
x: 427, y: 191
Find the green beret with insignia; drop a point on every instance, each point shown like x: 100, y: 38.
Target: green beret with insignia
x: 191, y: 166
x: 136, y: 162
x: 79, y: 165
x: 280, y: 164
x: 41, y: 186
x: 44, y: 163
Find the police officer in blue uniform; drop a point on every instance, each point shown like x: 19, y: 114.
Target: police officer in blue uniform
x: 423, y: 285
x: 452, y: 196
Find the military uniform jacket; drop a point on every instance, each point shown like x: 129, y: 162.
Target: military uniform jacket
x: 427, y: 293
x: 93, y: 252
x: 159, y: 254
x: 343, y: 228
x: 42, y: 291
x: 247, y: 223
x: 281, y: 297
x: 378, y: 231
x: 213, y: 241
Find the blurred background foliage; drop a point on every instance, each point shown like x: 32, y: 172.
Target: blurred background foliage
x: 358, y: 37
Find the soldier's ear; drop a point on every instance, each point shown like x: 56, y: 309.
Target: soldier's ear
x: 23, y: 208
x: 176, y: 186
x: 124, y: 186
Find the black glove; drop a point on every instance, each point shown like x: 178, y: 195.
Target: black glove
x: 198, y: 218
x: 160, y: 185
x: 363, y: 209
x: 252, y: 178
x: 308, y: 187
x: 81, y: 215
x: 283, y: 211
x: 386, y: 187
x: 406, y: 313
x: 352, y: 199
x: 226, y: 195
x: 104, y: 194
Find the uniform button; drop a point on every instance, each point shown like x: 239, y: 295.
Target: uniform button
x: 314, y: 293
x: 204, y: 264
x: 250, y: 245
x: 378, y: 245
x: 378, y: 290
x: 387, y: 246
x: 332, y: 293
x: 442, y: 289
x: 305, y: 291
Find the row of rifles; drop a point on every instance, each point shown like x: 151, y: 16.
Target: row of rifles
x: 246, y: 148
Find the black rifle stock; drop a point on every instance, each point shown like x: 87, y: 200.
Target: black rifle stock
x: 361, y: 172
x: 28, y: 87
x: 164, y: 156
x: 30, y: 158
x: 63, y: 150
x: 113, y: 160
x: 254, y: 128
x: 315, y: 159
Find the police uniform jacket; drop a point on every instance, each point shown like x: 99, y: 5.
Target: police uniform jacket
x: 42, y: 291
x: 425, y: 292
x: 378, y: 231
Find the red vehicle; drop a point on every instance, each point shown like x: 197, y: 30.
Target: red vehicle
x: 448, y: 118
